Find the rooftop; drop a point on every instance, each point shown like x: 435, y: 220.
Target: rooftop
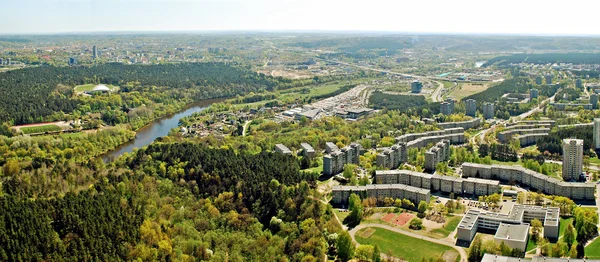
x: 512, y: 232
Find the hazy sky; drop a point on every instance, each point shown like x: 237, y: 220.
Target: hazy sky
x: 573, y: 17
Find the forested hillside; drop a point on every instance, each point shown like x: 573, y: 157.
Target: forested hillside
x: 181, y: 202
x: 30, y: 94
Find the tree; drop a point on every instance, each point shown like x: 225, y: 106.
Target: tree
x: 422, y: 206
x: 345, y: 247
x: 475, y: 250
x: 355, y: 207
x: 416, y: 224
x: 376, y: 254
x: 544, y: 247
x: 536, y: 228
x: 569, y: 236
x: 364, y: 252
x: 504, y: 249
x: 573, y: 251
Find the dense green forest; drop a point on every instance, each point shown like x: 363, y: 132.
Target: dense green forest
x: 553, y: 142
x: 410, y: 104
x: 31, y: 94
x: 549, y: 58
x: 172, y: 201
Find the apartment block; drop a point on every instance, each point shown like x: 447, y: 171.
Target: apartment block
x: 333, y: 163
x: 340, y: 194
x: 535, y: 180
x: 505, y: 135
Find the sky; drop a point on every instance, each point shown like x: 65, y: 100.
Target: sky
x: 525, y: 17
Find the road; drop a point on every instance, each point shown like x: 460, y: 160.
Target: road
x: 460, y: 250
x: 246, y: 124
x: 436, y: 96
x: 481, y: 134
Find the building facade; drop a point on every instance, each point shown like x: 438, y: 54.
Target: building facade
x: 471, y: 107
x: 572, y: 166
x: 532, y: 179
x: 341, y: 194
x: 488, y: 110
x: 475, y: 220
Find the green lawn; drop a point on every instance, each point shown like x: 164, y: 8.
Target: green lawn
x: 530, y: 245
x: 89, y: 87
x: 40, y: 129
x: 592, y: 251
x: 449, y: 227
x: 563, y: 225
x: 402, y: 246
x: 341, y: 215
x: 317, y: 169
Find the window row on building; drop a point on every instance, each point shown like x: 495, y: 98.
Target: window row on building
x: 440, y: 152
x: 341, y: 194
x: 333, y: 162
x: 535, y: 180
x: 444, y: 184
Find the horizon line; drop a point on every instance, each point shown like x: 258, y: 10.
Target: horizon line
x: 294, y: 31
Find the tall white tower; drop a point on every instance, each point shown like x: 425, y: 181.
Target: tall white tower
x: 572, y: 159
x: 596, y: 133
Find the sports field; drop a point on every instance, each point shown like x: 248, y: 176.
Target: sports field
x: 402, y: 246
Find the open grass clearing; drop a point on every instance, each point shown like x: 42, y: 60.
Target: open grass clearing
x: 40, y: 129
x: 467, y: 89
x: 449, y: 227
x: 405, y: 247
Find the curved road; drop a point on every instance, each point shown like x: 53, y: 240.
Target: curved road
x: 460, y: 250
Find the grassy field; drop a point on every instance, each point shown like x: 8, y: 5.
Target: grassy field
x: 341, y: 215
x: 592, y: 251
x: 563, y: 225
x: 467, y: 89
x: 402, y: 246
x: 89, y: 87
x: 449, y: 227
x: 40, y: 129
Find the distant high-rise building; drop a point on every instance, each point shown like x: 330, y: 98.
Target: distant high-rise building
x: 594, y: 101
x: 94, y: 52
x: 538, y: 80
x: 488, y: 110
x: 533, y: 93
x: 416, y: 87
x: 578, y: 83
x: 548, y: 79
x: 446, y: 108
x: 596, y: 133
x: 471, y: 107
x: 8, y: 61
x: 72, y: 61
x: 1, y: 61
x: 572, y: 159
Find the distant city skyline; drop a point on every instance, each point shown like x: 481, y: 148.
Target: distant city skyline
x: 514, y: 17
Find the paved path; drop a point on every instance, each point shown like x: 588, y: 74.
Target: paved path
x: 245, y: 127
x: 460, y: 250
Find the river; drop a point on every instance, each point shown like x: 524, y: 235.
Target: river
x: 159, y: 128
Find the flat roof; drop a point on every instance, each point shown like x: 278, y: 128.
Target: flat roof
x: 512, y: 232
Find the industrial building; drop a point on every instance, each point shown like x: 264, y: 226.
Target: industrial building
x: 341, y: 194
x: 572, y: 159
x: 532, y: 179
x: 471, y: 107
x: 510, y: 228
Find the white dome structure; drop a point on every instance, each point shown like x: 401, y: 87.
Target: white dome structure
x: 101, y: 88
